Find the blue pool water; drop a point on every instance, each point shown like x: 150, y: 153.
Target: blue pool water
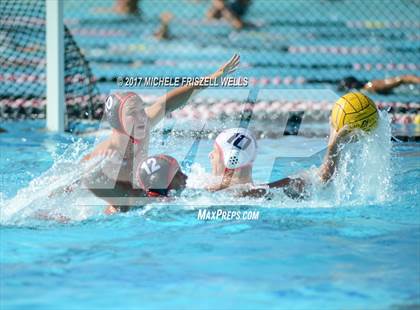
x: 355, y: 244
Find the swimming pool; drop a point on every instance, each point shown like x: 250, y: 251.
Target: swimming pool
x: 350, y: 246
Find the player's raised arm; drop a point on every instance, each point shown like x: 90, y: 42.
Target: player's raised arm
x: 337, y: 139
x: 295, y: 187
x: 386, y: 85
x: 180, y: 96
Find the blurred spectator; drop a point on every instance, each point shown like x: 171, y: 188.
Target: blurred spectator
x: 377, y: 86
x: 162, y: 33
x: 127, y: 7
x: 232, y: 11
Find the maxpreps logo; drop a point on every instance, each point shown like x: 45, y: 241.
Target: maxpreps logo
x: 226, y: 215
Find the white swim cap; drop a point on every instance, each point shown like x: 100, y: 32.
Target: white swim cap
x: 238, y: 147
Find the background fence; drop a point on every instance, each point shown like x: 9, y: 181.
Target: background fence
x: 284, y: 44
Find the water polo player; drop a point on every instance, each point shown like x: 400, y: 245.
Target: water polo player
x: 232, y: 157
x: 132, y: 121
x: 156, y: 177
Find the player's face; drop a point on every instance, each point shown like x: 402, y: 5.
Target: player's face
x: 216, y: 161
x: 135, y: 120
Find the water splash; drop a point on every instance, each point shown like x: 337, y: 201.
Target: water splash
x: 364, y: 177
x: 364, y: 173
x: 44, y: 197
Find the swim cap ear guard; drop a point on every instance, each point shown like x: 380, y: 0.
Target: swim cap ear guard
x: 113, y: 111
x: 155, y: 174
x: 238, y: 147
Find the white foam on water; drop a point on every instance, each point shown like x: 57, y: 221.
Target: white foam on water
x: 199, y: 178
x: 44, y: 196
